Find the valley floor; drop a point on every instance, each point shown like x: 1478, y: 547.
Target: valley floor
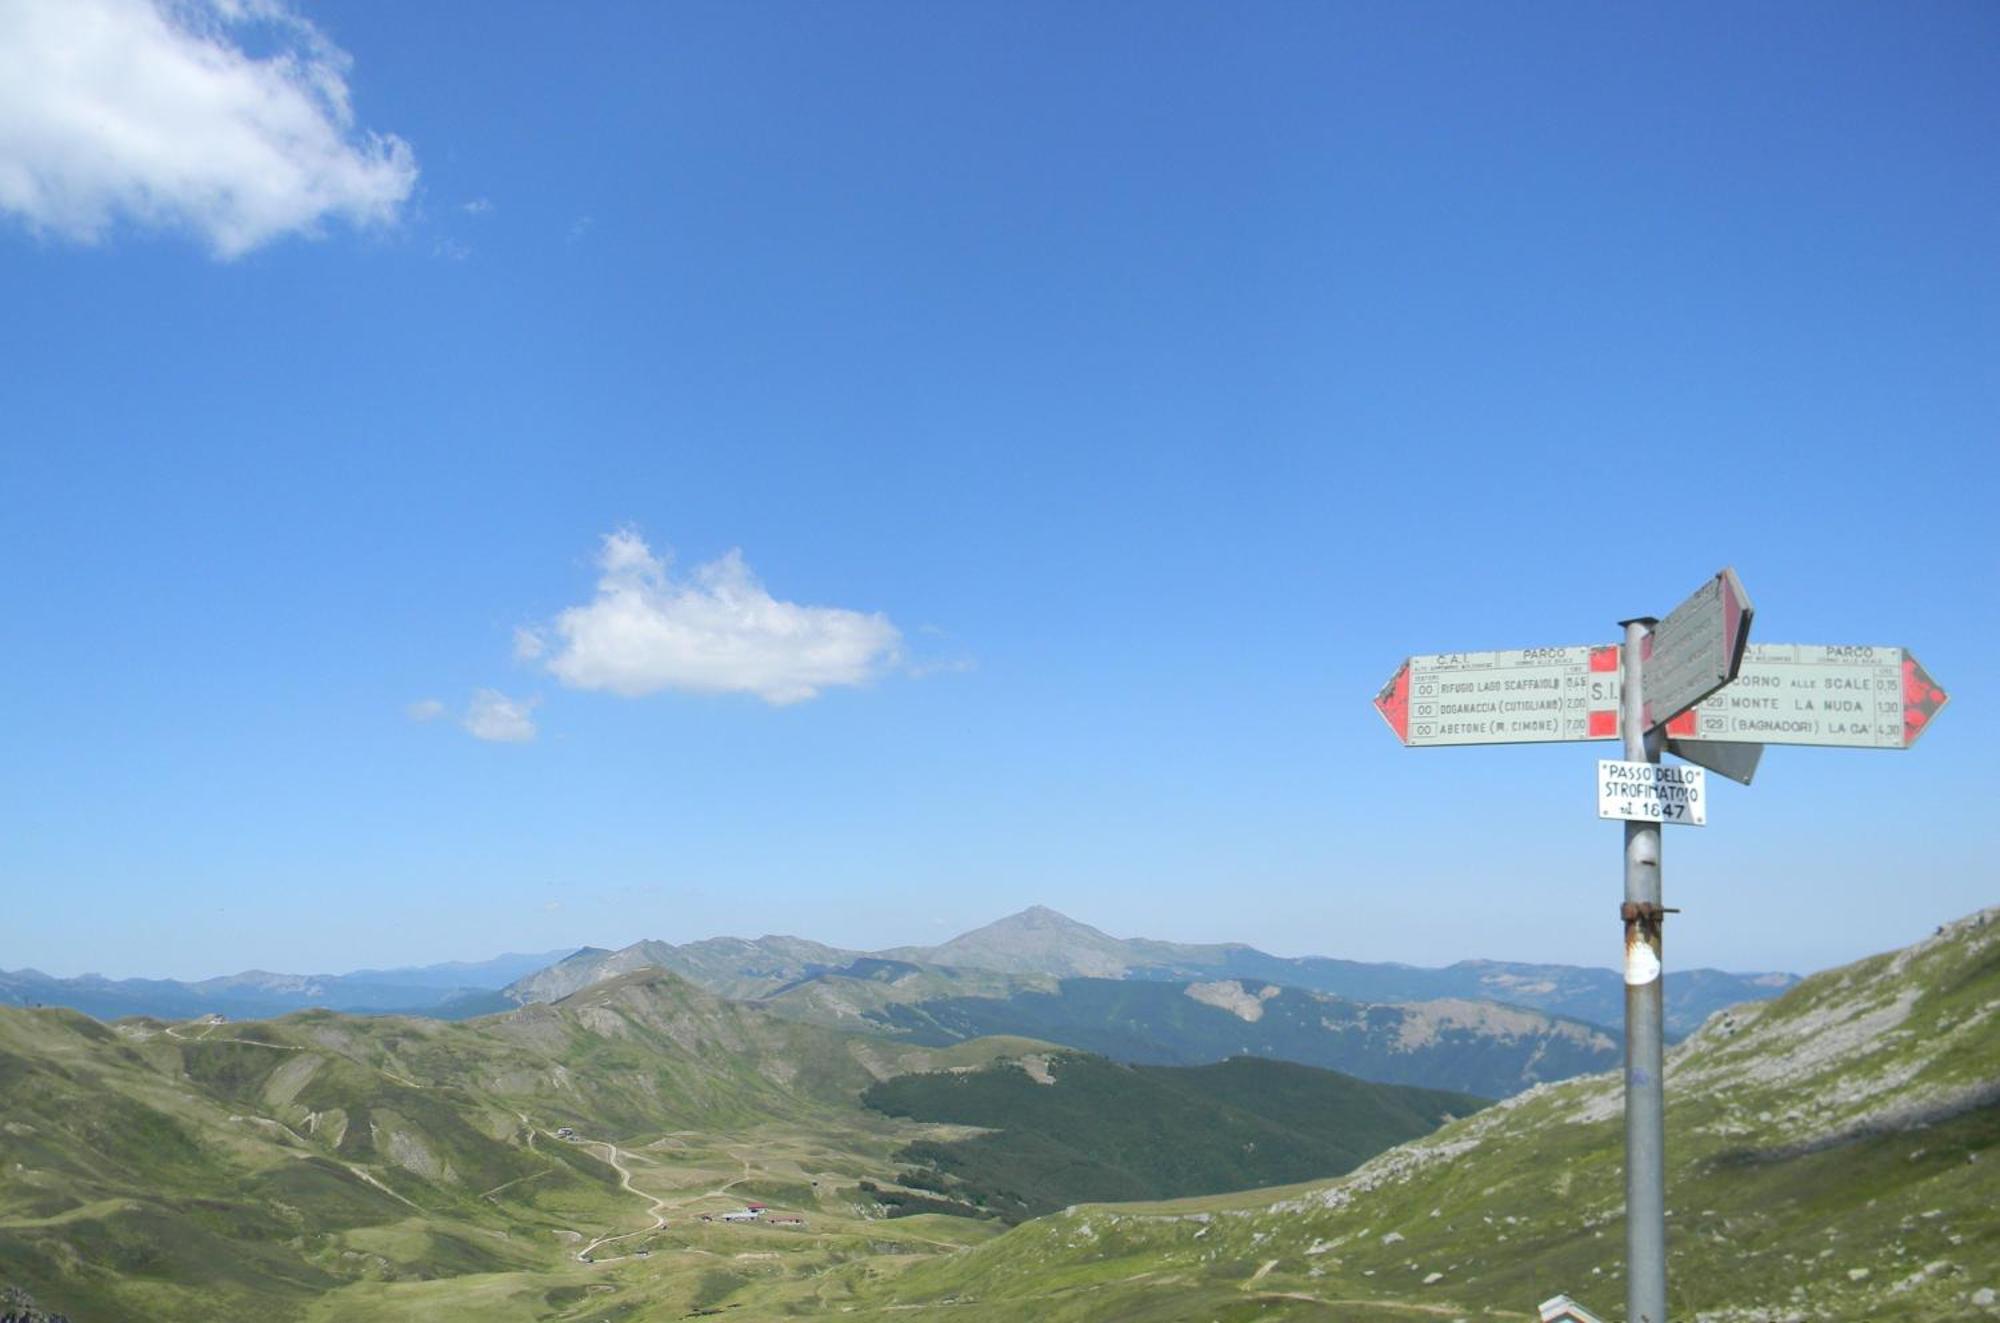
x: 670, y: 1263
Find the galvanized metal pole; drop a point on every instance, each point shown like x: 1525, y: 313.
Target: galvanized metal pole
x: 1645, y: 1051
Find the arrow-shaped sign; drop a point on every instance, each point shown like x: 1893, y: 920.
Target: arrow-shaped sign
x: 1800, y: 693
x: 1696, y: 649
x: 1523, y: 696
x: 1738, y: 762
x: 1784, y: 693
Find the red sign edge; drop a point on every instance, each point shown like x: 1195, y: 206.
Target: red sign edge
x: 1393, y: 702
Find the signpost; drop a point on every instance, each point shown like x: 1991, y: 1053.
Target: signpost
x: 1525, y: 696
x: 1700, y: 690
x: 1850, y: 696
x: 1800, y: 693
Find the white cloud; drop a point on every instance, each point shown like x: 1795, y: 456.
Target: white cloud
x: 476, y: 207
x: 151, y: 112
x: 493, y: 716
x: 714, y: 630
x: 424, y: 709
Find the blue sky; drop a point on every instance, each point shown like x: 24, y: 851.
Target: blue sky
x: 1101, y: 401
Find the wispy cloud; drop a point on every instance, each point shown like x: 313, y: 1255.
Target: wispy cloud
x: 713, y: 630
x: 494, y: 716
x: 922, y: 667
x: 917, y: 667
x: 152, y: 113
x: 424, y: 709
x: 476, y: 207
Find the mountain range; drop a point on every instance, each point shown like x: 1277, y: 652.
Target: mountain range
x: 1479, y: 1027
x: 1036, y: 946
x: 452, y: 989
x: 1484, y: 1028
x: 1039, y: 944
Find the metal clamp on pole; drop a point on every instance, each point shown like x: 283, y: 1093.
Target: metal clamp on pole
x: 1651, y: 918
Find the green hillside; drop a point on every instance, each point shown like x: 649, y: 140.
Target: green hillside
x: 1831, y: 1155
x: 1069, y: 1127
x: 270, y: 1171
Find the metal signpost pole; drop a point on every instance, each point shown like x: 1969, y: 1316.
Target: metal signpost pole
x: 1645, y: 1055
x: 1694, y: 685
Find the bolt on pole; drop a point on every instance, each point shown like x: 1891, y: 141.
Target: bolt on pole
x: 1645, y: 1053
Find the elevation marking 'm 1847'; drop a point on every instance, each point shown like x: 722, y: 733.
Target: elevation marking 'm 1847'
x: 1652, y: 792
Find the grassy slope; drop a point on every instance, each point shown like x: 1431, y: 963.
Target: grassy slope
x: 1832, y: 1156
x: 260, y: 1171
x: 1089, y: 1128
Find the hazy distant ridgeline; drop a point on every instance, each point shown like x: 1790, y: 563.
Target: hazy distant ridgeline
x: 1480, y: 1027
x: 1037, y: 945
x: 451, y: 990
x: 1041, y: 944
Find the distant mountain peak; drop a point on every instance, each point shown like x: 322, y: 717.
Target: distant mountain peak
x: 1044, y: 918
x: 1036, y: 940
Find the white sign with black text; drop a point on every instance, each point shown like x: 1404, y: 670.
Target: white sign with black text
x: 1652, y: 792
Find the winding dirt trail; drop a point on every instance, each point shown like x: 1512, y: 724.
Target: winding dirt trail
x: 203, y: 1037
x: 658, y: 1209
